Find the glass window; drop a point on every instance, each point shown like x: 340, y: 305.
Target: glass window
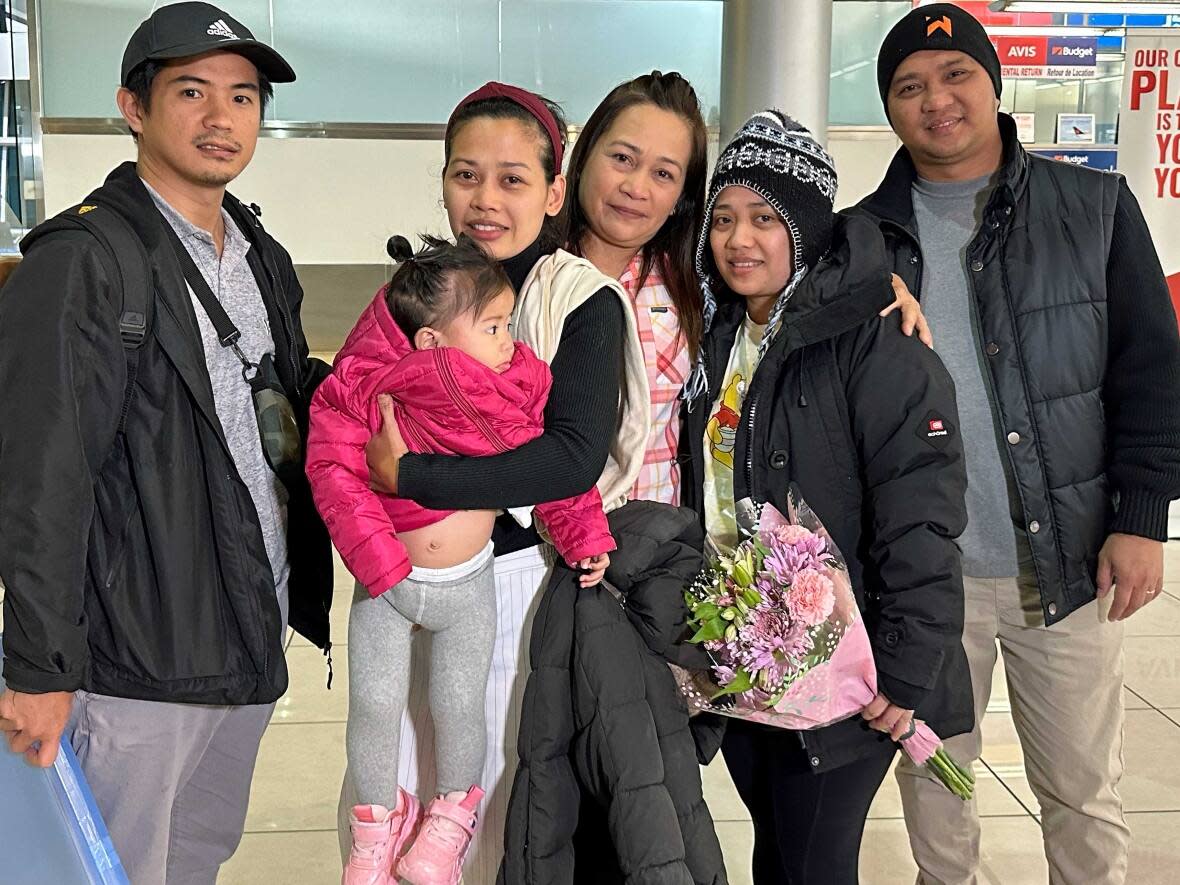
x: 857, y: 31
x: 405, y: 61
x: 82, y: 43
x: 18, y: 194
x: 576, y: 51
x: 1047, y: 98
x: 384, y: 61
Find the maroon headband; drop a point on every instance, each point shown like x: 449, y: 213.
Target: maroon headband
x: 526, y: 100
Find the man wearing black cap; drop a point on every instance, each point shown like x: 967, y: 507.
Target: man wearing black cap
x: 157, y: 529
x: 1049, y: 307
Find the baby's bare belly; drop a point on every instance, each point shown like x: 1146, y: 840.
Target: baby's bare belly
x: 451, y: 541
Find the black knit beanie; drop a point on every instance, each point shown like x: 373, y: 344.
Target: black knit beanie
x: 939, y: 26
x: 779, y: 160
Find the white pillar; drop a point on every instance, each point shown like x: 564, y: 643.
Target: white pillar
x: 776, y: 53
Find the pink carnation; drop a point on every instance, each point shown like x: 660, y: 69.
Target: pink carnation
x: 812, y: 597
x: 786, y: 534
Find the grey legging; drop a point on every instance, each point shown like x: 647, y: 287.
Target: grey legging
x: 461, y: 615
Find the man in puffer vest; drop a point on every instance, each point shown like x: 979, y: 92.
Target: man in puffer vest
x: 1050, y: 309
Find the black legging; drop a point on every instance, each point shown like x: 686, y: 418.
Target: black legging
x: 807, y: 827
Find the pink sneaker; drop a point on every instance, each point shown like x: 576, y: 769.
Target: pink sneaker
x: 436, y: 857
x: 379, y: 839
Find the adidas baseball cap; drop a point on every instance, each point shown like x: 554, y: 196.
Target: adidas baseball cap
x: 186, y: 29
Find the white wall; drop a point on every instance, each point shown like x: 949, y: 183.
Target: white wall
x: 861, y: 156
x: 329, y: 201
x: 336, y: 201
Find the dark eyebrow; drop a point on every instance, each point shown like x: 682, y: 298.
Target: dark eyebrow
x: 956, y: 59
x: 752, y: 204
x: 505, y: 165
x: 635, y: 149
x: 189, y: 78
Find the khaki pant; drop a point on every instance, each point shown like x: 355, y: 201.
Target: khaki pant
x: 1065, y: 684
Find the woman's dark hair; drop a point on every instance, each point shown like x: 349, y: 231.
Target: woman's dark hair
x: 505, y: 109
x: 139, y: 83
x: 440, y: 281
x: 673, y: 247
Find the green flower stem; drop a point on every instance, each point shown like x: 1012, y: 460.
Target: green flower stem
x: 951, y: 774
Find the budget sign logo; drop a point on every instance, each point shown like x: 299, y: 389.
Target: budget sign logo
x: 1073, y: 51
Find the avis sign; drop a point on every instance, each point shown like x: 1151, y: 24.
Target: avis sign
x: 1149, y: 139
x: 1038, y: 56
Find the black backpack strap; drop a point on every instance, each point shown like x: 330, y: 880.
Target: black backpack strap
x: 133, y: 277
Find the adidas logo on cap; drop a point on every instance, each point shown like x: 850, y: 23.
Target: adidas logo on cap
x: 220, y: 29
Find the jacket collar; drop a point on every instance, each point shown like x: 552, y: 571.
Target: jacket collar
x: 175, y: 324
x: 893, y: 202
x: 849, y: 286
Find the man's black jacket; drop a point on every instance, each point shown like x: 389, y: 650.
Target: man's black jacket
x: 862, y: 419
x: 608, y: 789
x: 134, y: 562
x: 1081, y: 353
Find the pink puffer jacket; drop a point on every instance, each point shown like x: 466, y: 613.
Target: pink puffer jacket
x: 446, y: 403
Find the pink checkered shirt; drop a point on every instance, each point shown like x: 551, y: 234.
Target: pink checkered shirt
x: 666, y: 356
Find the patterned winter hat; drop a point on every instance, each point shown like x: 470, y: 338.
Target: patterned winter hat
x: 778, y: 159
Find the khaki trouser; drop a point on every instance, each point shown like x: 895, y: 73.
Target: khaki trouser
x: 1065, y: 684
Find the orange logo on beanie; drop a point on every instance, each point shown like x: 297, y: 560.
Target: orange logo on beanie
x: 939, y: 24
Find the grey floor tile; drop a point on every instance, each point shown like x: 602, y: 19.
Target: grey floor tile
x: 1152, y: 778
x: 306, y: 858
x: 1153, y: 669
x: 1155, y: 848
x: 1011, y: 853
x: 1160, y: 618
x: 737, y: 846
x: 297, y: 780
x: 1133, y: 701
x: 720, y: 793
x: 885, y: 857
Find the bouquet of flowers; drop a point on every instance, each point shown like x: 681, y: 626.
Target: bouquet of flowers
x: 786, y: 641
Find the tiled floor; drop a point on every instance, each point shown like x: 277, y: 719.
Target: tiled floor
x: 290, y: 835
x: 290, y: 830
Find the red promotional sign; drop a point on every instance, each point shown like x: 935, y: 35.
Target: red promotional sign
x: 1016, y: 52
x: 1149, y: 140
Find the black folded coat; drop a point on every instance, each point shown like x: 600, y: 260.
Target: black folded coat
x: 609, y: 788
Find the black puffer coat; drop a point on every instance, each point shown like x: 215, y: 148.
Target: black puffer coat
x: 605, y: 743
x: 863, y: 420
